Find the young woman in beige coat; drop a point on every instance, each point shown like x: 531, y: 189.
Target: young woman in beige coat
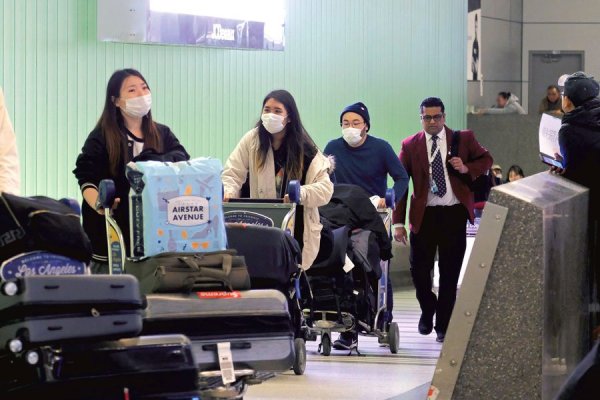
x: 277, y: 150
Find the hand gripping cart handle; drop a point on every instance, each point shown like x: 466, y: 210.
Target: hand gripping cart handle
x: 390, y: 198
x: 114, y: 237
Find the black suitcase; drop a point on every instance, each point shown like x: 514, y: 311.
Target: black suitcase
x: 45, y: 309
x: 256, y: 324
x: 147, y: 367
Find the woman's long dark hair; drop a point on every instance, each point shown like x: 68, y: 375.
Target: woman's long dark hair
x: 297, y: 141
x: 111, y: 122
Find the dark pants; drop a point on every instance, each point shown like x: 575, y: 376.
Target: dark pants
x: 444, y: 229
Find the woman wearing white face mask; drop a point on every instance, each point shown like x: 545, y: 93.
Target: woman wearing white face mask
x: 277, y: 150
x: 125, y: 129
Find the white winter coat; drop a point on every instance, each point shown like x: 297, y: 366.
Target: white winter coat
x: 10, y: 179
x: 316, y: 192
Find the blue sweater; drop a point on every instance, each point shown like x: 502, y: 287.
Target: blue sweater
x: 368, y: 165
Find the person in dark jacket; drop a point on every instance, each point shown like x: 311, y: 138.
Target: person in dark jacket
x: 579, y: 135
x: 579, y: 140
x: 124, y: 131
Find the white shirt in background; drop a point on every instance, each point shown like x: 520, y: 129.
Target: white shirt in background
x: 449, y: 198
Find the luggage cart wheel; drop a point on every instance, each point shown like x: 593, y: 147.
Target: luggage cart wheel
x: 106, y: 193
x: 10, y: 288
x: 390, y: 198
x: 73, y: 204
x: 394, y: 337
x: 15, y: 346
x: 294, y: 191
x: 32, y: 357
x: 300, y: 360
x: 325, y: 344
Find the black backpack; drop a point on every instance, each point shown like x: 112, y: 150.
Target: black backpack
x: 472, y: 184
x: 41, y: 223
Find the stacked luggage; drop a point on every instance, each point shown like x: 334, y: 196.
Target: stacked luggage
x: 238, y: 336
x: 68, y: 335
x: 273, y: 257
x: 251, y: 330
x: 73, y: 337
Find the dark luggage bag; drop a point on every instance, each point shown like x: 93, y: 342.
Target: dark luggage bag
x: 148, y: 367
x: 272, y: 255
x: 41, y: 223
x: 184, y: 272
x: 256, y: 324
x: 45, y: 309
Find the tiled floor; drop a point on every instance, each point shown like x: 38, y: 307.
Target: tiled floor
x: 377, y: 374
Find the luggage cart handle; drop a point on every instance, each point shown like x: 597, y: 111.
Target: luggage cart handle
x: 390, y: 198
x: 106, y: 194
x: 294, y: 191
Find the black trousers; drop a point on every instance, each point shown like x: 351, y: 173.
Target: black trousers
x: 444, y: 230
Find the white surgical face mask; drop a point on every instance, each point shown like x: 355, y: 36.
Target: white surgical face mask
x: 138, y: 107
x: 351, y: 135
x: 273, y: 123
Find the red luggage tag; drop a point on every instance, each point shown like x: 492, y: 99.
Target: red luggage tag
x: 219, y: 295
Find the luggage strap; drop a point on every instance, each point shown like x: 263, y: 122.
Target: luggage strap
x: 226, y: 261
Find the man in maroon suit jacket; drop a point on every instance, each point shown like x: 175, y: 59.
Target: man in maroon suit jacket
x: 439, y: 207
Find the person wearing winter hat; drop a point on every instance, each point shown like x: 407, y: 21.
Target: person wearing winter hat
x: 365, y: 160
x: 579, y: 141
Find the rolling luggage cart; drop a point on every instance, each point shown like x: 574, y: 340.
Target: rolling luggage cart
x: 270, y: 215
x: 62, y: 330
x: 232, y: 342
x: 324, y: 321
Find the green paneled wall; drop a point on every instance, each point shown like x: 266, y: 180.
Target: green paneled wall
x: 389, y: 54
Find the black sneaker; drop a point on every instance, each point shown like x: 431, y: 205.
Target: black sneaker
x: 425, y: 324
x: 346, y: 341
x: 440, y: 337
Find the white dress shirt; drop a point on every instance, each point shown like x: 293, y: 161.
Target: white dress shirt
x: 449, y: 199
